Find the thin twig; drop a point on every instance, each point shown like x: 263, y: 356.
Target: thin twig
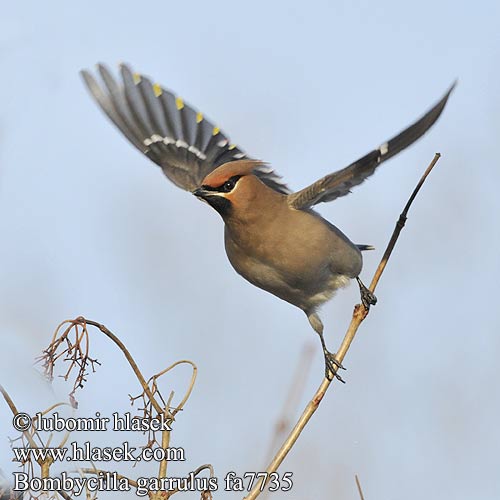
x: 359, y: 314
x: 129, y: 357
x: 190, y: 386
x: 193, y: 474
x: 358, y: 484
x: 46, y: 412
x: 294, y: 396
x: 165, y: 442
x: 15, y: 411
x: 64, y: 495
x: 400, y: 224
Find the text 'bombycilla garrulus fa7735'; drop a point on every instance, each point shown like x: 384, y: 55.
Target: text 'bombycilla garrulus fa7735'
x: 273, y: 237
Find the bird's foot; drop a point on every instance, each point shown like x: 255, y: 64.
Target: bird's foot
x: 367, y: 296
x: 332, y: 366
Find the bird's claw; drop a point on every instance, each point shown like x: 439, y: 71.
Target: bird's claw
x: 332, y: 367
x: 368, y: 298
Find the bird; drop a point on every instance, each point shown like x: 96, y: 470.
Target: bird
x: 273, y: 236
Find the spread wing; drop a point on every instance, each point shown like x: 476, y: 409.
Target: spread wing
x: 169, y: 131
x: 339, y: 183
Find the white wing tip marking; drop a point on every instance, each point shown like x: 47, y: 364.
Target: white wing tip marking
x: 178, y: 143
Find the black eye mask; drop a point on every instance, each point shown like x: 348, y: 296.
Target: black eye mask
x: 227, y: 187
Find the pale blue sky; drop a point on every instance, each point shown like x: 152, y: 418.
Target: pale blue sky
x: 90, y: 227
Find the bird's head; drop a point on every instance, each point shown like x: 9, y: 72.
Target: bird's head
x: 232, y: 187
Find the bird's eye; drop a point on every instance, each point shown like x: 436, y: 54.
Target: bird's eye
x: 228, y: 186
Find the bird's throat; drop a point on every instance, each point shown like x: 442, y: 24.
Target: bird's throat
x: 220, y: 204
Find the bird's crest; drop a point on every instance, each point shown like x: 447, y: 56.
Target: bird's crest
x: 246, y: 167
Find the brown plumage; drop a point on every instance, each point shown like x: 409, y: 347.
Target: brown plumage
x: 294, y: 254
x: 273, y: 238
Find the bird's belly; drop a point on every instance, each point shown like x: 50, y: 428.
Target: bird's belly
x: 307, y: 283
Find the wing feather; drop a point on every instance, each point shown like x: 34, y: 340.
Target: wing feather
x: 169, y: 131
x: 339, y: 183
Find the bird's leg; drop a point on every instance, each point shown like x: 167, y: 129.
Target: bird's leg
x: 331, y: 364
x: 367, y: 297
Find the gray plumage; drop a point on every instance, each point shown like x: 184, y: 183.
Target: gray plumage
x: 339, y: 183
x: 166, y: 129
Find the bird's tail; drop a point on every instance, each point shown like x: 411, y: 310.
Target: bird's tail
x: 363, y: 248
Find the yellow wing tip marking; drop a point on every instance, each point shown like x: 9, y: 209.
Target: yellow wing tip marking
x: 199, y: 117
x: 157, y: 90
x: 215, y: 131
x: 137, y: 78
x: 179, y: 102
x: 231, y: 146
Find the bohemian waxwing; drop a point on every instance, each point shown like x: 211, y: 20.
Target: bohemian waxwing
x: 273, y: 237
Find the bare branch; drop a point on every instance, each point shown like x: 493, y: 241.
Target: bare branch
x: 359, y: 314
x: 358, y: 484
x: 15, y: 411
x: 75, y: 351
x: 294, y: 395
x: 192, y: 475
x: 401, y: 223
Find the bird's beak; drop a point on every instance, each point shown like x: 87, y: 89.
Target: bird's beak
x: 204, y: 194
x: 216, y: 200
x: 201, y: 193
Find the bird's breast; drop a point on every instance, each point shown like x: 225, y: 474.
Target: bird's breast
x: 292, y: 256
